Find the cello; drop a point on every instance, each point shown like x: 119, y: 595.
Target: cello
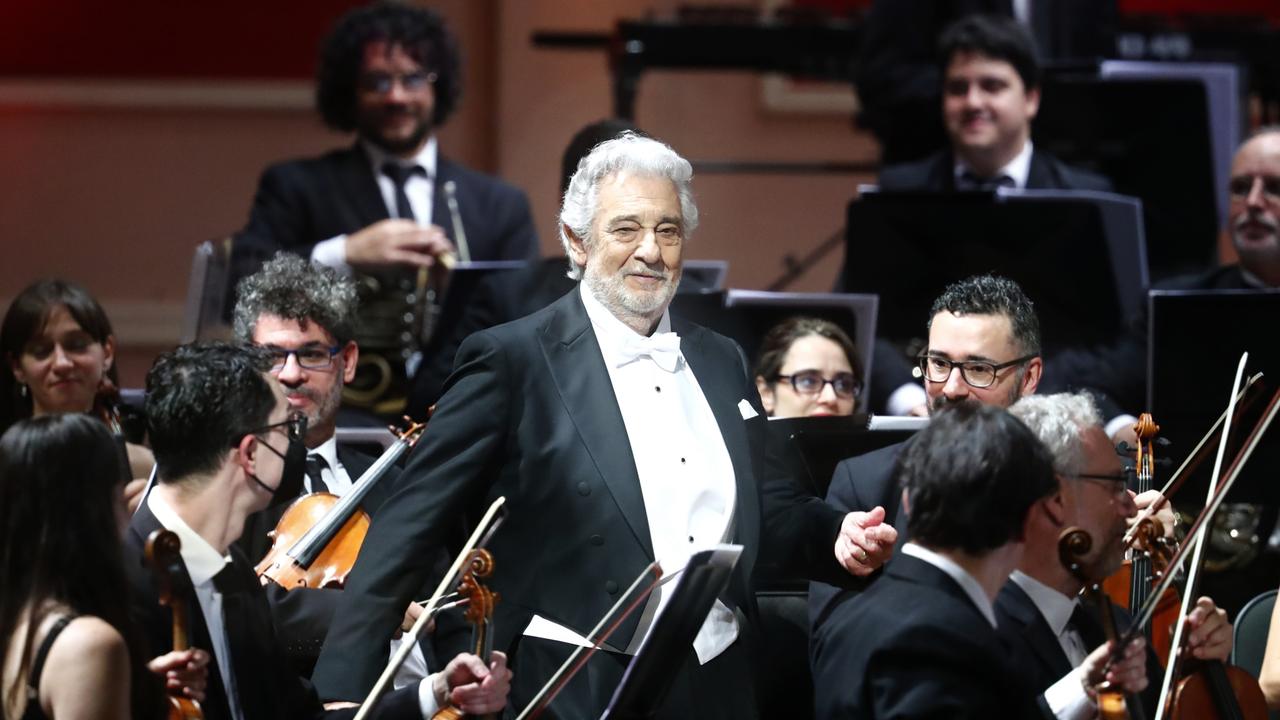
x: 163, y: 554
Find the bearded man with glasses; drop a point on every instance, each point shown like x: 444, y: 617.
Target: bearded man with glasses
x: 984, y: 347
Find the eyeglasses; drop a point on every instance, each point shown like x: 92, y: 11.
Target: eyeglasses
x: 295, y: 428
x: 381, y: 83
x: 1117, y: 484
x: 1241, y: 185
x: 811, y: 382
x: 978, y: 373
x: 311, y: 357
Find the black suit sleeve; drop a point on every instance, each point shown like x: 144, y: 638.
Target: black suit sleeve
x: 450, y: 471
x: 279, y: 218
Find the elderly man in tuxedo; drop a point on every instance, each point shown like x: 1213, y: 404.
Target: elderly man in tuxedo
x: 618, y: 434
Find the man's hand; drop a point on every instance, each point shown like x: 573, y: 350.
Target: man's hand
x: 398, y: 242
x: 185, y: 671
x: 865, y: 542
x: 411, y: 614
x: 1128, y: 674
x: 1164, y: 515
x: 1209, y: 635
x: 470, y: 686
x: 133, y: 493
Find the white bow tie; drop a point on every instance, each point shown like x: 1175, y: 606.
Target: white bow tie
x: 662, y: 348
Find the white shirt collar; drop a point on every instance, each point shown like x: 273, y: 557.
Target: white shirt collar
x: 962, y: 577
x: 611, y: 332
x: 1053, y: 605
x: 328, y: 450
x: 201, y: 559
x: 1019, y: 168
x: 426, y: 158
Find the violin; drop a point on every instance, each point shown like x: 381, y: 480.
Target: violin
x: 317, y: 540
x: 1073, y: 544
x: 163, y: 554
x: 479, y: 539
x: 480, y: 602
x: 1210, y: 692
x: 1130, y: 586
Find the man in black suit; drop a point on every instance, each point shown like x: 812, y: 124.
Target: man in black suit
x: 984, y: 347
x: 225, y: 445
x: 922, y: 641
x: 1040, y: 610
x: 390, y: 204
x: 304, y: 315
x: 990, y: 95
x: 615, y: 442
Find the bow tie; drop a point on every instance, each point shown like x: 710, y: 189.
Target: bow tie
x: 662, y: 348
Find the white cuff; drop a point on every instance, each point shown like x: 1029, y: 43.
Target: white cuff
x: 1067, y: 699
x: 1114, y: 424
x: 906, y: 398
x: 427, y: 698
x: 333, y: 253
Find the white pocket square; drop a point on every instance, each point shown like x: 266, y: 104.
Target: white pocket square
x: 747, y: 411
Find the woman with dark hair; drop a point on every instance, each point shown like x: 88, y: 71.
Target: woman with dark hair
x: 808, y: 367
x: 64, y: 601
x: 57, y: 342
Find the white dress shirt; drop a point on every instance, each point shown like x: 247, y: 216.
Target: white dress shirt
x: 1066, y: 698
x: 686, y: 474
x: 1018, y: 168
x: 203, y: 562
x: 334, y: 473
x: 419, y: 188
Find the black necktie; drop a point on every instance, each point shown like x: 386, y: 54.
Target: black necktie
x: 229, y: 581
x: 1088, y: 627
x: 400, y: 175
x: 968, y: 180
x: 315, y: 466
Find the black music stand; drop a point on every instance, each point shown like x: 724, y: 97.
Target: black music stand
x: 651, y: 672
x: 1196, y: 338
x: 1080, y: 256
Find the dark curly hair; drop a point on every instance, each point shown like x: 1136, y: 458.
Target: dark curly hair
x: 993, y: 295
x: 292, y: 288
x: 201, y: 399
x: 421, y: 32
x: 971, y: 477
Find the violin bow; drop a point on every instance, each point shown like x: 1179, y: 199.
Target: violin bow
x: 483, y: 532
x: 630, y: 600
x: 1191, y: 461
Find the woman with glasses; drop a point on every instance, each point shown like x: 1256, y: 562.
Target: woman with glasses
x: 60, y: 353
x: 808, y: 367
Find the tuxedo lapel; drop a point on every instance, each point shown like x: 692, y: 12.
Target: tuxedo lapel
x: 1016, y: 608
x: 577, y: 368
x: 356, y: 177
x: 1040, y: 175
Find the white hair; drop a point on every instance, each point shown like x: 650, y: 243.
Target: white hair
x: 1059, y: 420
x: 627, y: 153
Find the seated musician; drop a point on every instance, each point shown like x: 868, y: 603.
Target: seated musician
x: 984, y: 347
x: 226, y: 444
x: 305, y: 315
x: 59, y: 352
x: 922, y: 640
x: 1254, y: 227
x: 1037, y: 608
x: 808, y: 367
x: 67, y: 648
x: 990, y: 95
x: 390, y: 72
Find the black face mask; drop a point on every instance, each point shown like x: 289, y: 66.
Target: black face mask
x: 295, y: 462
